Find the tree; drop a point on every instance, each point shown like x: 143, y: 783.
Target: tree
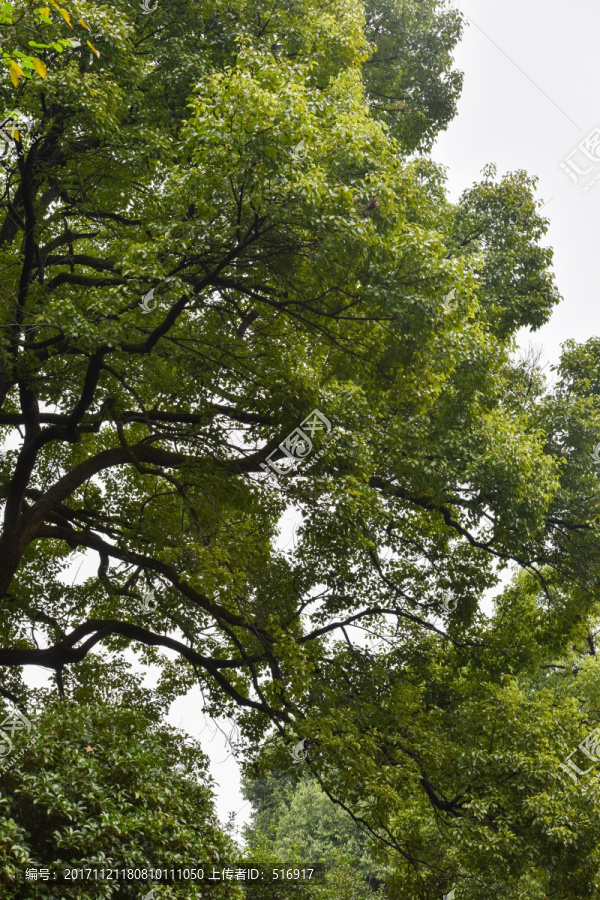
x: 87, y: 198
x: 221, y: 230
x: 102, y: 786
x: 297, y: 821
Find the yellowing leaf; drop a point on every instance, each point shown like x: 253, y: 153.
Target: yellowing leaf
x: 44, y: 10
x: 65, y: 16
x: 14, y: 71
x: 55, y: 4
x: 81, y: 22
x: 91, y: 46
x: 40, y: 67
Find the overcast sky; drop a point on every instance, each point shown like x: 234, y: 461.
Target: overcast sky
x: 506, y: 119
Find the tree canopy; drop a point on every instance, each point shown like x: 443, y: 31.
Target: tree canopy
x: 102, y: 786
x: 215, y: 221
x: 296, y: 820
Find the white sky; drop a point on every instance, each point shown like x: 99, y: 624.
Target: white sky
x: 505, y: 119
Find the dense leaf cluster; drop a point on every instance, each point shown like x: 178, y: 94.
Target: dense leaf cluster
x: 224, y: 225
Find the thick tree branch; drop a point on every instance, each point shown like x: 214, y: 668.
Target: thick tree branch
x: 82, y: 280
x: 65, y: 653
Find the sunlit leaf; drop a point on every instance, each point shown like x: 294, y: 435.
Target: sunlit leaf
x: 14, y: 71
x: 40, y: 67
x: 65, y: 16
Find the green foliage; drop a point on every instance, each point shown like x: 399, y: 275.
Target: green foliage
x: 342, y: 882
x: 297, y: 821
x: 104, y: 786
x: 235, y: 166
x: 19, y: 21
x: 410, y: 71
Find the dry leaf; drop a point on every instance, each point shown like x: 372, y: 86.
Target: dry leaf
x: 40, y: 67
x: 14, y: 71
x: 65, y: 16
x: 89, y: 749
